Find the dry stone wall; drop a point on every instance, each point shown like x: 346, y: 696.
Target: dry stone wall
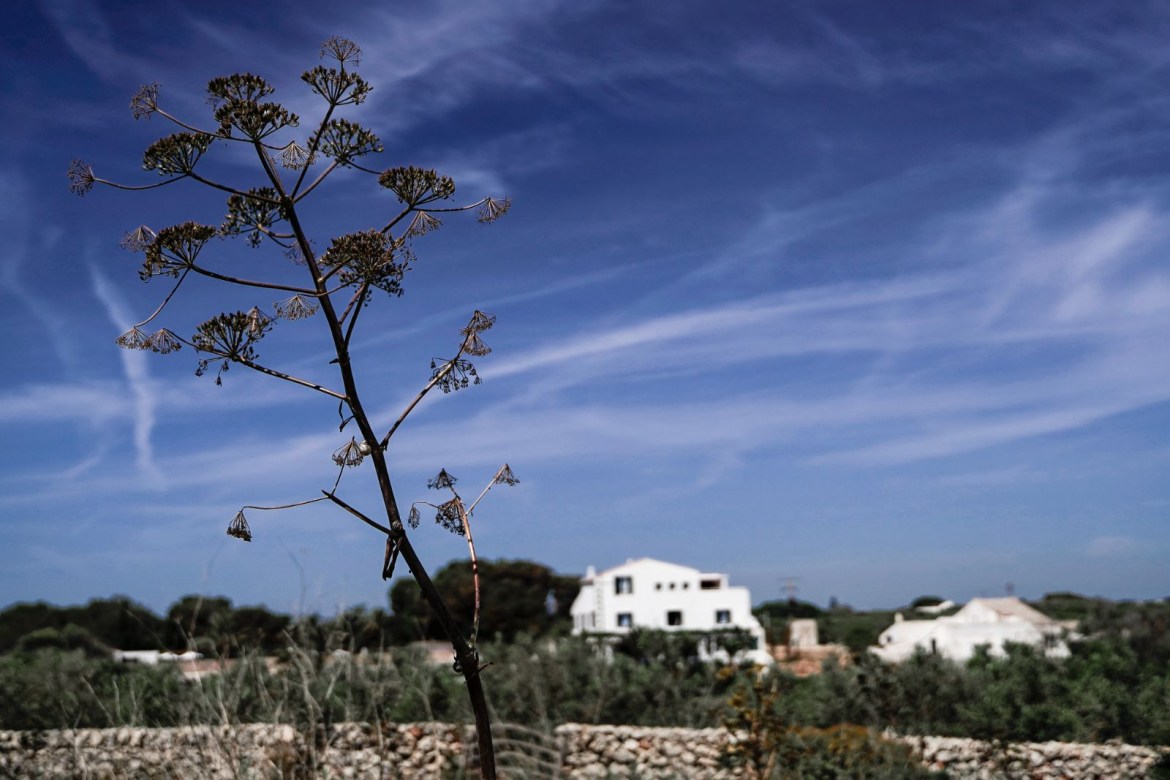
x: 432, y: 751
x: 351, y: 750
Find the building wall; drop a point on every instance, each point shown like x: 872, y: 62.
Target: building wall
x: 646, y: 593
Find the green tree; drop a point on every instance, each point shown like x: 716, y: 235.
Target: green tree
x: 70, y: 637
x: 120, y: 622
x: 519, y: 597
x: 200, y: 623
x: 338, y: 283
x: 24, y: 618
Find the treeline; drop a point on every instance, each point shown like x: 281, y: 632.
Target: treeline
x: 1104, y: 691
x: 56, y: 671
x: 518, y: 597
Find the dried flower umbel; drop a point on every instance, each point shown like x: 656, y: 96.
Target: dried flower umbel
x: 145, y: 101
x: 298, y: 307
x: 295, y: 157
x: 81, y: 177
x: 239, y: 527
x: 350, y: 454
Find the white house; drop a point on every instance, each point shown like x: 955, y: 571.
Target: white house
x: 991, y: 622
x: 646, y: 593
x: 152, y: 657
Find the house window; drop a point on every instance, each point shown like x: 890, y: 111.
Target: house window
x: 658, y: 586
x: 686, y: 585
x: 672, y: 586
x: 625, y: 619
x: 674, y: 617
x: 708, y: 584
x: 723, y: 616
x: 623, y: 585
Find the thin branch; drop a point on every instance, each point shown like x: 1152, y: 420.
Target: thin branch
x: 463, y: 515
x: 312, y: 149
x: 216, y: 133
x: 356, y: 300
x: 490, y: 485
x: 399, y: 218
x: 232, y: 190
x: 250, y: 282
x: 364, y: 169
x: 357, y: 514
x: 288, y: 378
x: 328, y: 170
x: 266, y: 162
x: 434, y: 381
x: 285, y: 506
x: 166, y: 300
x: 192, y: 128
x: 137, y: 187
x: 475, y: 205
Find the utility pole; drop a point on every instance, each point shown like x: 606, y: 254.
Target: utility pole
x: 790, y: 588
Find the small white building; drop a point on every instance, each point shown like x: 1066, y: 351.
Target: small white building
x: 650, y: 594
x: 153, y: 657
x: 991, y: 622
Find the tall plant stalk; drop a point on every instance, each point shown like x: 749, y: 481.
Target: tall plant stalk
x: 354, y: 267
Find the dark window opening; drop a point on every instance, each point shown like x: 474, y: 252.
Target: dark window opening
x: 674, y: 618
x: 623, y: 585
x: 723, y: 616
x: 625, y: 620
x: 708, y: 584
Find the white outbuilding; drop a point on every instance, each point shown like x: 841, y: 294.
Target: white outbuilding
x: 651, y: 594
x: 990, y: 622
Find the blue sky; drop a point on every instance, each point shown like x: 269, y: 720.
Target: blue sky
x: 871, y: 295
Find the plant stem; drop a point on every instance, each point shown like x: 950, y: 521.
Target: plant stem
x: 466, y: 658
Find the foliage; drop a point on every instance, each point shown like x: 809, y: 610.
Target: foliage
x: 1102, y: 692
x: 855, y: 630
x: 1112, y: 687
x: 322, y: 674
x: 767, y: 746
x: 70, y: 637
x: 116, y: 622
x: 519, y: 597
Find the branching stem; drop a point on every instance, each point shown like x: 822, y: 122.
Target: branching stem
x: 289, y: 378
x: 294, y: 505
x: 166, y: 300
x: 446, y: 369
x: 250, y: 282
x: 374, y: 523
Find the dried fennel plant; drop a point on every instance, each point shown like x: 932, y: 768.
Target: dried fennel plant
x: 341, y: 282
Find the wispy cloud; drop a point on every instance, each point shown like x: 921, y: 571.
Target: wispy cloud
x: 137, y: 376
x: 1110, y: 546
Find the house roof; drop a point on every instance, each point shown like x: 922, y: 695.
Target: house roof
x: 1008, y: 607
x: 633, y: 564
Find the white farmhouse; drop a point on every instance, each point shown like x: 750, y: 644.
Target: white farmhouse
x: 646, y: 593
x: 991, y: 622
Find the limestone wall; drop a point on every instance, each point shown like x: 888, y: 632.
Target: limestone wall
x: 357, y: 750
x: 429, y: 751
